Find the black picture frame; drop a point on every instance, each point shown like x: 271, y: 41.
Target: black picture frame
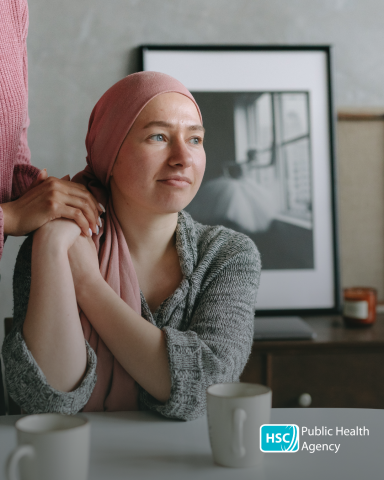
x: 294, y: 61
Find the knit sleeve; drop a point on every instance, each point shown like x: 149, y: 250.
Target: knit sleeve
x: 25, y: 381
x: 218, y: 342
x: 23, y: 176
x: 23, y: 155
x: 1, y: 232
x: 23, y: 172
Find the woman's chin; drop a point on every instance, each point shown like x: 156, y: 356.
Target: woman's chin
x: 171, y: 205
x: 166, y: 210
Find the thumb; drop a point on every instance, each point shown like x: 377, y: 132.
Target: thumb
x: 43, y: 175
x: 66, y: 177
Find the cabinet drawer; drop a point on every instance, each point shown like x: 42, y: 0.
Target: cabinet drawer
x: 333, y: 380
x: 255, y: 370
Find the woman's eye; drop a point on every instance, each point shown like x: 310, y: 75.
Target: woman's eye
x: 158, y: 136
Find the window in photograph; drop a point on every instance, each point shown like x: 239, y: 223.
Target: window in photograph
x: 260, y: 181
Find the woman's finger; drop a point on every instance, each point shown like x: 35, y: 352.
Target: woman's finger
x: 55, y: 185
x: 89, y: 195
x: 50, y: 199
x: 75, y: 214
x: 81, y: 204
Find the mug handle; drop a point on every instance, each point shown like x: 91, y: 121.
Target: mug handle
x: 17, y: 454
x: 239, y: 417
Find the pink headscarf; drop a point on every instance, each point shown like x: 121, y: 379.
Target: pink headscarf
x: 109, y: 123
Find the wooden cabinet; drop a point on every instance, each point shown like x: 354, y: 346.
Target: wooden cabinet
x: 342, y: 367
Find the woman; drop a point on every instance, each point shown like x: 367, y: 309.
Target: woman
x: 28, y: 198
x: 166, y: 304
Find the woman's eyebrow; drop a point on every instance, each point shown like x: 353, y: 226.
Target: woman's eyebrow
x: 160, y: 123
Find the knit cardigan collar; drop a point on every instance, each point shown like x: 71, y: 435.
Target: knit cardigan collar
x: 186, y: 240
x: 186, y: 246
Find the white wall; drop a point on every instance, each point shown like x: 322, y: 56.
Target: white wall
x: 78, y: 48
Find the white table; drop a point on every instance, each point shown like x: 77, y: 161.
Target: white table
x: 143, y: 446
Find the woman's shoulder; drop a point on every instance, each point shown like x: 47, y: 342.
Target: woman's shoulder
x: 220, y: 243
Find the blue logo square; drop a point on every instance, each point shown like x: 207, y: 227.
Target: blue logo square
x: 279, y: 438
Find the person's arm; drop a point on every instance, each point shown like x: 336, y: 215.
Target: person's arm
x: 25, y: 380
x: 24, y: 172
x: 2, y: 236
x: 174, y: 368
x: 138, y: 346
x: 51, y: 198
x: 52, y: 328
x: 23, y: 156
x: 216, y: 346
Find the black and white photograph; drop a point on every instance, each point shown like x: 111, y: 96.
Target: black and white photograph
x: 270, y: 170
x: 258, y: 177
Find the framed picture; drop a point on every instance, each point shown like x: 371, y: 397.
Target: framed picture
x: 270, y: 172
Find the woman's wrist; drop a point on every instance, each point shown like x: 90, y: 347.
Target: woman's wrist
x: 46, y: 246
x: 47, y: 241
x: 57, y: 236
x: 88, y: 288
x: 9, y: 218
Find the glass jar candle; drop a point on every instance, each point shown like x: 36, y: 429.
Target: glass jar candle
x: 360, y: 305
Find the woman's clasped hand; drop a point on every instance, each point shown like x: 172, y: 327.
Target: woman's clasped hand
x: 64, y: 237
x: 84, y: 263
x: 50, y: 198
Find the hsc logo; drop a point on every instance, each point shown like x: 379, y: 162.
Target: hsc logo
x: 279, y: 438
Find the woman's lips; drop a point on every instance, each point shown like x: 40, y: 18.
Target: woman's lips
x: 175, y: 183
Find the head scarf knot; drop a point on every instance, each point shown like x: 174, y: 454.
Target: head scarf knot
x: 109, y: 123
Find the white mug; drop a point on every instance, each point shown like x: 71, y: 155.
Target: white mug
x: 51, y: 447
x: 236, y: 412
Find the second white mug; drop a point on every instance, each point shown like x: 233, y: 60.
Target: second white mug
x: 50, y: 447
x: 236, y: 412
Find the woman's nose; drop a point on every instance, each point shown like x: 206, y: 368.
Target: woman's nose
x: 180, y: 154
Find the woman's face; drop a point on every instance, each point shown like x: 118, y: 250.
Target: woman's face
x: 164, y: 143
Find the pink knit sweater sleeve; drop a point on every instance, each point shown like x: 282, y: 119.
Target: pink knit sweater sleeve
x: 23, y: 154
x: 23, y: 172
x: 2, y: 239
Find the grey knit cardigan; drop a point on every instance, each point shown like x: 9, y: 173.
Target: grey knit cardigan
x: 208, y: 325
